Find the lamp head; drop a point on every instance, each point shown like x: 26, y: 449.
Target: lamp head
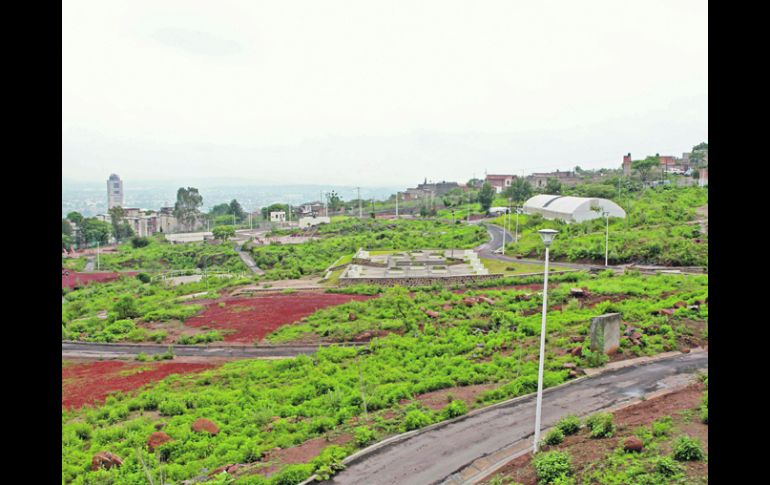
x: 547, y: 235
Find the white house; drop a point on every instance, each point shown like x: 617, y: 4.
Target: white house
x: 278, y: 216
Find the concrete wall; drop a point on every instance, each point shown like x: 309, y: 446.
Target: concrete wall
x: 605, y: 330
x: 420, y: 281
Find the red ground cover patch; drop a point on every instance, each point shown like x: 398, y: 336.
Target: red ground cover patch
x: 86, y: 383
x: 81, y: 279
x: 250, y: 319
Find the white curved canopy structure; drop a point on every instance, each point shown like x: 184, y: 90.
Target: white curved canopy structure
x: 571, y: 209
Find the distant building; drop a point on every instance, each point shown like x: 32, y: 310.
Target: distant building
x: 703, y: 177
x: 540, y: 180
x: 668, y: 161
x: 278, y: 216
x: 425, y: 189
x: 627, y: 165
x: 500, y: 182
x: 114, y: 192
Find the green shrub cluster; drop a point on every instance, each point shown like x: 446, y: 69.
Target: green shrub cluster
x: 601, y: 425
x: 687, y: 449
x: 552, y: 467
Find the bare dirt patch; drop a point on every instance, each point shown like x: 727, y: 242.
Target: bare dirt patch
x: 437, y: 400
x: 585, y: 452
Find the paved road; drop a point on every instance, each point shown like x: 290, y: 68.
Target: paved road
x: 100, y: 350
x: 434, y: 456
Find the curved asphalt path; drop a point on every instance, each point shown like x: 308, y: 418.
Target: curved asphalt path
x: 102, y: 350
x: 435, y: 456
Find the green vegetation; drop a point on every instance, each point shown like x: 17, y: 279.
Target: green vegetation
x: 569, y: 424
x: 260, y: 405
x: 552, y: 467
x: 687, y: 449
x: 601, y: 425
x: 292, y: 261
x: 554, y: 437
x: 660, y: 228
x: 159, y: 255
x: 113, y: 312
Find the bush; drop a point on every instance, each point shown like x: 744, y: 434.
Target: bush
x: 416, y: 419
x: 126, y: 307
x: 551, y: 466
x: 292, y: 475
x: 139, y: 242
x: 142, y: 357
x: 143, y: 277
x: 569, y: 424
x: 554, y: 437
x: 171, y: 408
x: 667, y: 467
x: 601, y: 425
x: 687, y: 449
x: 363, y: 435
x: 662, y: 426
x: 454, y: 409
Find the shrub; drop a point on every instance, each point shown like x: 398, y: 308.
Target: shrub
x: 554, y: 437
x: 662, y: 426
x: 687, y: 449
x: 126, y: 307
x: 569, y: 424
x: 601, y: 425
x: 363, y: 435
x: 292, y: 475
x: 667, y: 466
x: 416, y: 419
x: 139, y: 242
x: 551, y: 466
x: 454, y: 409
x: 143, y: 277
x: 142, y: 357
x: 171, y: 408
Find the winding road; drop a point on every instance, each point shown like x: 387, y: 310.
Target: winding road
x: 437, y: 455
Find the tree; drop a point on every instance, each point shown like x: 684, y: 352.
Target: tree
x: 186, y: 208
x: 486, y: 196
x: 66, y: 241
x: 66, y: 227
x: 120, y: 228
x: 236, y: 210
x: 552, y: 186
x: 474, y: 182
x: 223, y: 232
x: 75, y: 217
x: 220, y: 210
x: 93, y: 230
x: 334, y: 201
x: 644, y: 167
x: 519, y: 190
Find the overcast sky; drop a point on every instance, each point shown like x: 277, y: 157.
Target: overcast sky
x: 376, y: 92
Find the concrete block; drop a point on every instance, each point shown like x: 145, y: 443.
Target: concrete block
x: 605, y: 333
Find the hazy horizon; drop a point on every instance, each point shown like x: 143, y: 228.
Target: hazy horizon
x: 376, y: 93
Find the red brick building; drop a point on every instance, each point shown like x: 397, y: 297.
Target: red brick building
x: 500, y: 182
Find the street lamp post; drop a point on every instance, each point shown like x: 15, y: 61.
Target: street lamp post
x: 518, y: 211
x: 547, y: 235
x: 607, y: 239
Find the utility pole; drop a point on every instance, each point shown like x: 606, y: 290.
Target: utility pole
x: 360, y: 210
x: 396, y: 204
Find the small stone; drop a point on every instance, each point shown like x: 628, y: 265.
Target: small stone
x: 106, y: 460
x: 204, y: 425
x: 432, y: 314
x: 632, y: 443
x: 577, y: 292
x: 577, y: 351
x: 577, y: 338
x: 667, y: 311
x: 569, y: 365
x: 636, y: 336
x: 573, y: 373
x: 352, y: 317
x: 156, y: 439
x: 680, y: 304
x: 685, y: 350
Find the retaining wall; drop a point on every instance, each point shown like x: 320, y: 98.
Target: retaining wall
x: 420, y: 280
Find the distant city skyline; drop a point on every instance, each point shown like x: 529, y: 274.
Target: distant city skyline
x: 376, y: 93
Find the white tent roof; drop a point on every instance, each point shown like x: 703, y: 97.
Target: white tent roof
x: 571, y: 209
